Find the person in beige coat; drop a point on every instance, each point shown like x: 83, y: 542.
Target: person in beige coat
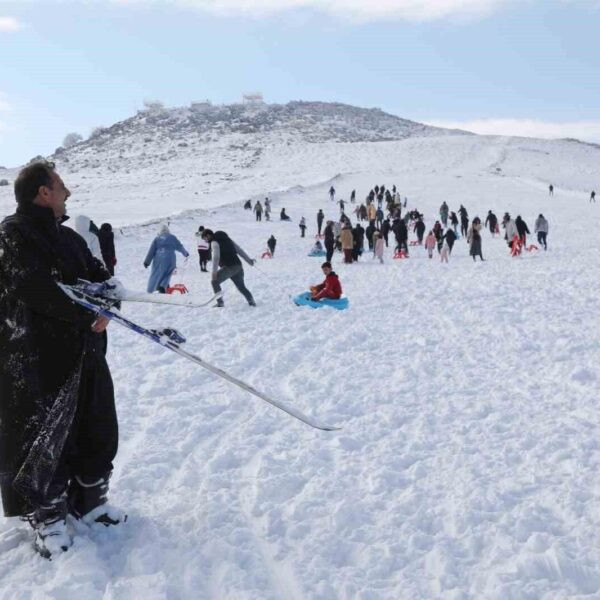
x: 372, y: 213
x: 347, y: 241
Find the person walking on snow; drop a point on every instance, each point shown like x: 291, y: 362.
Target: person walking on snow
x: 271, y: 243
x: 593, y: 196
x: 161, y: 255
x: 258, y: 209
x: 330, y: 288
x: 347, y: 241
x: 332, y: 193
x: 203, y: 250
x: 320, y: 217
x: 86, y: 228
x: 302, y: 226
x: 353, y: 197
x: 474, y: 239
x: 58, y: 424
x: 329, y: 240
x: 342, y: 205
x: 449, y: 238
x: 522, y: 229
x: 419, y: 229
x: 492, y: 221
x: 541, y: 228
x: 107, y: 247
x: 464, y: 220
x: 454, y: 222
x: 444, y: 213
x: 551, y: 190
x: 430, y: 242
x: 226, y: 264
x: 378, y: 246
x: 511, y: 230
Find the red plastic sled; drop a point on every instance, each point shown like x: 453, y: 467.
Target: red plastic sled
x: 178, y: 287
x: 400, y: 255
x: 266, y: 254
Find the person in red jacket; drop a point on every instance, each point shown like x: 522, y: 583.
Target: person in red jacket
x: 330, y: 288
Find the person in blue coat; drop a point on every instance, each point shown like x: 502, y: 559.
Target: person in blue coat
x: 162, y: 256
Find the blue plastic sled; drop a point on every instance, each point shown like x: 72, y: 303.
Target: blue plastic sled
x: 304, y: 300
x: 318, y: 253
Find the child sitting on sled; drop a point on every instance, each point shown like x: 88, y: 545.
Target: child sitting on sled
x: 330, y: 288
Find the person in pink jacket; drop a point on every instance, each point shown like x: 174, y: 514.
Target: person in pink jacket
x: 430, y: 243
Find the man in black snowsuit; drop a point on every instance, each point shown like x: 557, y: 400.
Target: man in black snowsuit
x: 385, y: 231
x: 464, y: 220
x: 107, y: 247
x: 271, y: 243
x: 226, y: 264
x: 329, y: 240
x: 58, y: 424
x: 522, y: 229
x: 320, y: 217
x: 419, y: 229
x: 450, y: 238
x: 358, y: 233
x: 492, y: 221
x: 369, y: 231
x: 402, y: 236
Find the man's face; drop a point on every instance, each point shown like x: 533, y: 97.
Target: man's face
x: 326, y: 270
x: 54, y: 196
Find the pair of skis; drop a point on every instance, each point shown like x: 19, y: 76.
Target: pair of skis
x: 101, y: 299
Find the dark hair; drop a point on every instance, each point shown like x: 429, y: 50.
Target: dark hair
x: 31, y: 179
x: 326, y: 264
x: 207, y: 232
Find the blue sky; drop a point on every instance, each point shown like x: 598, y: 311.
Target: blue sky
x: 496, y: 66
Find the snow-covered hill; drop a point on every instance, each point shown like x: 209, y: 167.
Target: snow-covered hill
x: 467, y: 467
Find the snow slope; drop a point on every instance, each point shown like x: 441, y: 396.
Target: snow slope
x: 467, y: 464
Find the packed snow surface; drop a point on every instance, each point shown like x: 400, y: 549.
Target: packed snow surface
x: 467, y: 466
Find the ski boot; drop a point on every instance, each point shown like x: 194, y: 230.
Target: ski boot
x: 50, y: 526
x: 88, y: 502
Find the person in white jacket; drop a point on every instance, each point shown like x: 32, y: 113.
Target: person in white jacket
x: 511, y: 231
x: 86, y: 228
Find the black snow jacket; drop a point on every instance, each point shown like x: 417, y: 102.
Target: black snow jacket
x: 521, y: 226
x: 107, y: 246
x: 44, y: 342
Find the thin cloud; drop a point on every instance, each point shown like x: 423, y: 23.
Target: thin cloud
x: 588, y: 131
x: 414, y: 10
x: 9, y: 25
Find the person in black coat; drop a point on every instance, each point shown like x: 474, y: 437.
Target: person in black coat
x: 369, y: 231
x: 283, y: 215
x: 271, y: 243
x: 450, y: 238
x: 329, y: 240
x: 492, y: 221
x: 107, y: 246
x: 402, y: 236
x: 358, y: 234
x: 58, y: 425
x: 385, y: 230
x: 320, y: 217
x: 522, y: 229
x: 464, y: 220
x: 419, y: 229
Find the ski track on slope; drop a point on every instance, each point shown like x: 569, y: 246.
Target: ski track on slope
x: 467, y: 393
